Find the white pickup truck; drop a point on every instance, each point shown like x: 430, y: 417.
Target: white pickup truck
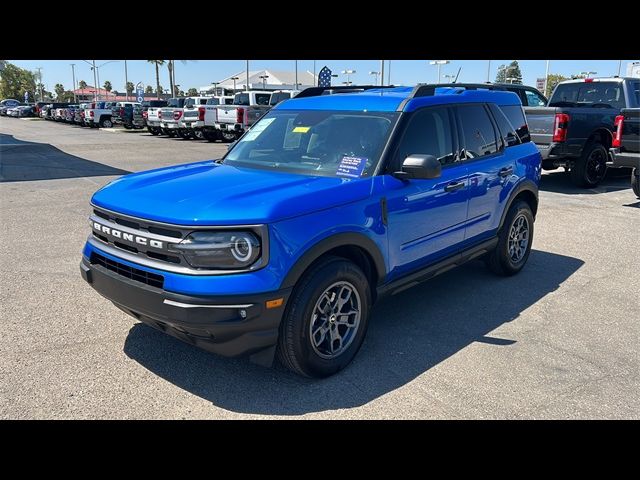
x: 192, y: 120
x: 199, y: 120
x: 231, y: 121
x: 172, y: 115
x: 151, y: 111
x: 99, y: 114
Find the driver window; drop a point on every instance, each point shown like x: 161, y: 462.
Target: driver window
x: 428, y: 133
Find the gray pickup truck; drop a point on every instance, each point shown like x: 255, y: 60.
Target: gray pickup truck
x: 576, y: 129
x: 626, y: 145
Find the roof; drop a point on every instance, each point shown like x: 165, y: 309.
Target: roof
x: 280, y: 78
x: 599, y: 79
x: 391, y: 99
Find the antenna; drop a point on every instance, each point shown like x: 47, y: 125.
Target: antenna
x: 457, y: 75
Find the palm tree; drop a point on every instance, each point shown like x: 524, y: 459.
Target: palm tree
x: 59, y: 89
x: 148, y: 89
x: 171, y: 66
x: 157, y: 63
x: 108, y: 87
x: 130, y: 88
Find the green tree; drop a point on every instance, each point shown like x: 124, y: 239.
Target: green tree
x: 67, y: 96
x: 14, y: 81
x: 192, y: 92
x: 511, y: 71
x: 130, y: 88
x: 59, y: 89
x: 107, y: 86
x: 552, y: 80
x: 148, y: 89
x: 157, y: 64
x: 160, y: 90
x: 82, y: 84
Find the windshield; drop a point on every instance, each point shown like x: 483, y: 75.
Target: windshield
x: 323, y: 143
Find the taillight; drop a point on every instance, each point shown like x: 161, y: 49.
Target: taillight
x: 239, y: 115
x: 160, y: 114
x: 619, y: 124
x: 560, y: 127
x: 122, y: 112
x: 201, y: 114
x: 145, y: 115
x: 177, y: 114
x: 91, y: 112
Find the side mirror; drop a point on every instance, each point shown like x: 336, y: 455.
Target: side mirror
x: 423, y: 167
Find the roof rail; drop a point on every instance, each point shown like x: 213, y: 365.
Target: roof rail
x: 429, y: 89
x: 316, y: 91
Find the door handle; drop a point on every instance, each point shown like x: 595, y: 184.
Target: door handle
x: 506, y: 171
x: 453, y: 186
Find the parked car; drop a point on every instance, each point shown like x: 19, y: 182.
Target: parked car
x: 326, y: 204
x: 191, y: 118
x: 26, y: 111
x: 233, y: 120
x: 9, y: 103
x: 127, y: 114
x: 170, y: 115
x: 78, y: 115
x: 70, y: 113
x: 281, y: 95
x: 150, y: 113
x: 208, y: 117
x: 98, y: 114
x: 13, y: 111
x: 625, y: 150
x: 39, y: 106
x: 576, y: 130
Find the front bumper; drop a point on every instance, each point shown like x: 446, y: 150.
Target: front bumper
x: 624, y: 159
x: 213, y: 323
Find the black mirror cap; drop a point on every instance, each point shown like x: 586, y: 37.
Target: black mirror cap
x: 420, y: 167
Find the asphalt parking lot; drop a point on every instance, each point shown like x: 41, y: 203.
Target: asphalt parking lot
x: 560, y: 340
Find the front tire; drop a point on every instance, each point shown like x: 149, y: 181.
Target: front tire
x: 326, y: 319
x: 106, y: 123
x: 635, y: 182
x: 589, y: 170
x: 514, y: 241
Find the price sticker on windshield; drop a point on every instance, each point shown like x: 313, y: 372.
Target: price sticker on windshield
x: 257, y: 129
x: 351, y: 167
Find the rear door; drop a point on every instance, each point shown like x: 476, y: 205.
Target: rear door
x: 426, y: 218
x: 491, y: 172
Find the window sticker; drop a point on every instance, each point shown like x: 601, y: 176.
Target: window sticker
x: 351, y: 167
x: 301, y: 129
x: 256, y: 130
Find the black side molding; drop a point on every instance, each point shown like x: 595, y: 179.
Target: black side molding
x: 431, y: 271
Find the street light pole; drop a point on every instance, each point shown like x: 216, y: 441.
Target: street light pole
x: 389, y: 74
x: 73, y: 75
x: 439, y: 63
x: 247, y: 75
x: 95, y: 81
x: 40, y: 77
x: 126, y: 82
x: 619, y: 67
x: 348, y: 73
x: 546, y: 78
x: 296, y: 85
x: 489, y: 72
x: 234, y: 83
x: 376, y: 75
x: 381, y: 73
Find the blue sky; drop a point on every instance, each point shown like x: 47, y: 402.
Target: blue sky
x: 196, y: 73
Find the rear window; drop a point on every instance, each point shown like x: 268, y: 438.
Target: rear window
x: 634, y: 88
x: 213, y: 101
x: 516, y: 117
x: 175, y: 103
x: 157, y: 103
x: 507, y: 130
x: 263, y: 98
x: 588, y: 94
x: 278, y: 97
x: 241, y: 99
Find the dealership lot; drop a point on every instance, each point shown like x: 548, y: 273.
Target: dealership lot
x: 557, y: 341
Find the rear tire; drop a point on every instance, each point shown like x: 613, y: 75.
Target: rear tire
x: 128, y: 127
x: 228, y: 137
x: 316, y: 338
x: 514, y: 241
x: 198, y: 134
x: 106, y: 123
x: 589, y: 170
x: 635, y: 182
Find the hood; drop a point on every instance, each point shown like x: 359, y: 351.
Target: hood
x: 206, y: 193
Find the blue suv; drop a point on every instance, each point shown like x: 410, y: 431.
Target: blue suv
x: 329, y: 202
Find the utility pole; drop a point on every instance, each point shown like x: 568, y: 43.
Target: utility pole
x: 489, y: 72
x: 546, y: 79
x: 381, y: 73
x: 126, y: 82
x: 619, y: 66
x: 73, y: 75
x: 296, y: 85
x: 389, y: 74
x: 95, y: 80
x: 40, y: 77
x: 314, y: 74
x: 247, y: 75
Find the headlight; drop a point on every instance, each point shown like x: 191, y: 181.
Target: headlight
x: 219, y: 250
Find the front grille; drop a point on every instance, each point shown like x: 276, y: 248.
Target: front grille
x: 136, y: 274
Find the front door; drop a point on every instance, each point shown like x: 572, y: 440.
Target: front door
x: 426, y: 218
